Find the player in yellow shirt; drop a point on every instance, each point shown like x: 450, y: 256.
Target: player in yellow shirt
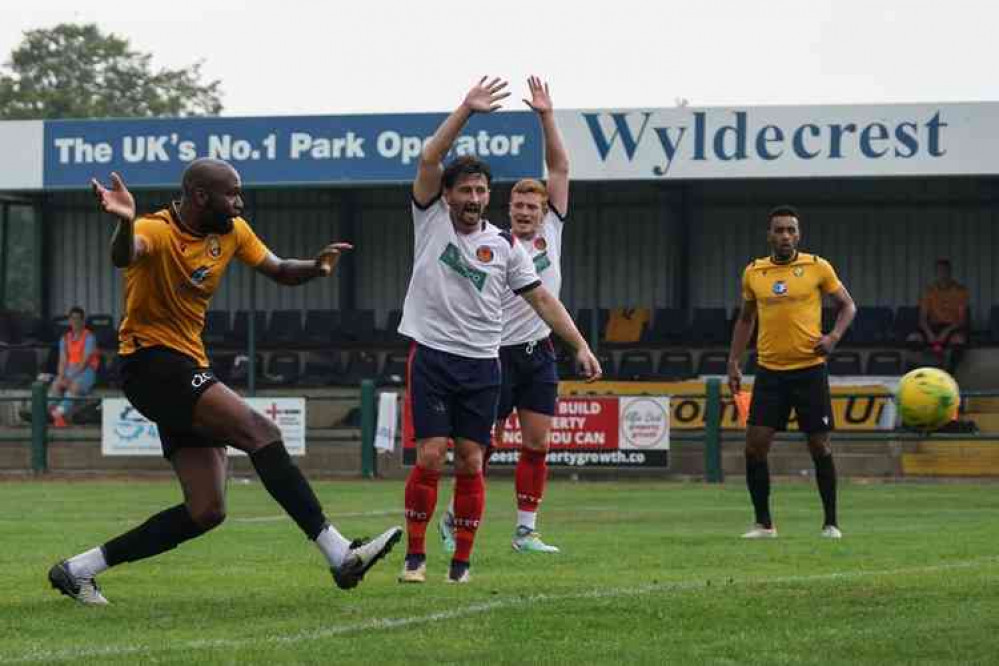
x: 784, y: 292
x: 174, y: 260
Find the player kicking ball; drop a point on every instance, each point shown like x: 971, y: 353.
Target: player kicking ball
x: 174, y: 260
x: 529, y: 367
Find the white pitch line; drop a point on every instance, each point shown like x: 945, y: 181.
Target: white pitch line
x: 381, y: 624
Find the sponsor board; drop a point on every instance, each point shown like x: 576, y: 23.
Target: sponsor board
x: 290, y: 150
x: 874, y: 409
x: 630, y: 431
x: 782, y: 141
x: 126, y: 432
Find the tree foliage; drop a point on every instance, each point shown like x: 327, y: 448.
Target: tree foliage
x: 76, y: 71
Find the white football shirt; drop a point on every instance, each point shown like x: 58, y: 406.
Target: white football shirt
x: 520, y: 322
x: 454, y: 302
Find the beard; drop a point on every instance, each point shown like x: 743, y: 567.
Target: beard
x: 217, y: 222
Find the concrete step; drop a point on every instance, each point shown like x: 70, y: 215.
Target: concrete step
x: 953, y: 458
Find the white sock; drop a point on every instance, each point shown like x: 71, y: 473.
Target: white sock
x: 88, y: 564
x: 333, y: 546
x: 450, y: 507
x: 528, y: 519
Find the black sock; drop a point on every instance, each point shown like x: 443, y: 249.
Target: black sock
x: 825, y: 475
x: 160, y: 533
x: 758, y: 482
x: 285, y: 483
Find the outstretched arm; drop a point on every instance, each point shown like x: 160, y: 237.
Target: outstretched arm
x: 482, y: 98
x: 293, y: 272
x: 126, y: 247
x: 556, y: 157
x: 551, y: 310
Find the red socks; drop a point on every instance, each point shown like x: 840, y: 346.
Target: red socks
x: 531, y: 475
x: 469, y: 502
x: 421, y: 500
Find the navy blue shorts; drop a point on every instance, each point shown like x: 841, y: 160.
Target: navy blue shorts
x: 453, y: 396
x: 530, y: 378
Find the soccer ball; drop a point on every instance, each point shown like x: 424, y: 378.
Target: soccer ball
x: 927, y: 399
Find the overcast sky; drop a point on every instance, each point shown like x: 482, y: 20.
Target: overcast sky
x: 376, y: 56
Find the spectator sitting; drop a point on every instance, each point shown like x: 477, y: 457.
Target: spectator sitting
x: 943, y: 314
x: 79, y: 359
x: 626, y: 324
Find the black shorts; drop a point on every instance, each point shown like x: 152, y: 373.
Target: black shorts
x: 530, y: 378
x: 165, y: 385
x: 453, y: 396
x: 776, y: 392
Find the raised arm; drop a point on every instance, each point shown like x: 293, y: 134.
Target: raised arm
x: 293, y: 272
x: 482, y: 98
x: 551, y: 310
x: 126, y: 247
x: 556, y: 157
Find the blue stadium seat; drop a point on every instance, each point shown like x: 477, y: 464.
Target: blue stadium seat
x: 20, y: 367
x: 390, y: 334
x: 844, y: 363
x: 216, y: 329
x: 636, y: 365
x: 713, y: 363
x: 906, y: 322
x: 283, y: 368
x: 885, y: 363
x: 871, y: 326
x: 674, y: 365
x: 320, y: 327
x: 709, y: 326
x: 240, y: 331
x: 321, y: 368
x: 669, y: 326
x: 285, y: 329
x: 394, y: 371
x: 356, y: 326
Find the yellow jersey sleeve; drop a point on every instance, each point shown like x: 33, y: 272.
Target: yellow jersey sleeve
x: 828, y: 280
x: 249, y: 248
x: 152, y: 230
x: 747, y: 291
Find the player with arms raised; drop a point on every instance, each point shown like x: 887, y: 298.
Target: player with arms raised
x: 463, y: 268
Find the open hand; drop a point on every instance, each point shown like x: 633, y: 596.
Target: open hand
x: 541, y: 100
x: 485, y: 97
x: 117, y: 201
x: 329, y: 256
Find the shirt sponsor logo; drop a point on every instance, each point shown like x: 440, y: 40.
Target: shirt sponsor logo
x: 451, y: 257
x: 780, y: 288
x: 542, y: 262
x: 540, y: 244
x: 199, y: 275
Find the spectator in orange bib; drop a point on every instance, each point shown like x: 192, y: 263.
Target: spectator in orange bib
x: 79, y: 359
x: 943, y: 313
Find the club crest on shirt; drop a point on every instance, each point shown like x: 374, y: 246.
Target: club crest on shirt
x: 484, y: 254
x: 780, y: 288
x: 798, y: 271
x: 213, y: 246
x: 540, y: 244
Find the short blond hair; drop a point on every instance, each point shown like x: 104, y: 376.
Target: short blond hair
x: 532, y: 186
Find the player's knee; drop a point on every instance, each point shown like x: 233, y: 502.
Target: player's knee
x: 255, y: 433
x: 431, y: 458
x: 819, y: 447
x: 468, y: 460
x: 209, y: 516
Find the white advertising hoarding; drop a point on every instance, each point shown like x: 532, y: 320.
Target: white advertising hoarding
x: 126, y: 432
x: 783, y: 141
x: 21, y: 166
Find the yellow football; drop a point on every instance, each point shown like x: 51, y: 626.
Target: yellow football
x: 927, y: 399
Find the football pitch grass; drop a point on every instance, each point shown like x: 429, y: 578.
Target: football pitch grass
x: 650, y: 573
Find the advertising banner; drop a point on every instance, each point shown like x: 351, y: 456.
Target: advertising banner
x: 292, y: 150
x: 783, y: 141
x: 613, y: 431
x: 126, y: 432
x: 873, y: 410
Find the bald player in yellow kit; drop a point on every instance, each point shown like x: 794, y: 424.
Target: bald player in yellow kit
x: 173, y: 261
x: 784, y: 292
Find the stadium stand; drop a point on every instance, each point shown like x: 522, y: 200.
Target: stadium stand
x: 636, y: 365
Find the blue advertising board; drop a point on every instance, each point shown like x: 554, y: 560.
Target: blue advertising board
x: 293, y: 150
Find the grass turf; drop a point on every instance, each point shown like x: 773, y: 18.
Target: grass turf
x: 650, y: 573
